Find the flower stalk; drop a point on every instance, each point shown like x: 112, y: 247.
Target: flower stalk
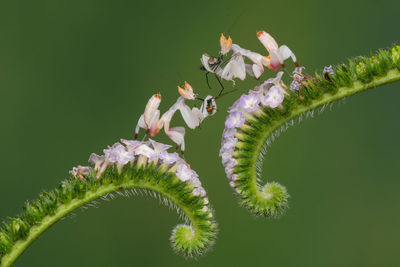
x: 244, y: 145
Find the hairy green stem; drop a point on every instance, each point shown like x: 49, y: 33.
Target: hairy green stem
x: 260, y: 127
x: 64, y: 210
x: 392, y: 76
x: 190, y: 240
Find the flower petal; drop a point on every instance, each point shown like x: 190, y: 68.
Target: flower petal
x: 274, y: 97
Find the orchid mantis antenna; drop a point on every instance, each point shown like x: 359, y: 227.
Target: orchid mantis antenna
x: 287, y: 72
x: 236, y: 20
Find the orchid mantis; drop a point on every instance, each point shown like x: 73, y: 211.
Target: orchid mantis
x: 237, y: 68
x: 277, y: 54
x: 152, y: 123
x: 213, y: 64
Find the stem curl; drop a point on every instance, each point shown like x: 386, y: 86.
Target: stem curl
x: 262, y: 126
x: 159, y: 180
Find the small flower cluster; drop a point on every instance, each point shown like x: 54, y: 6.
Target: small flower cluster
x: 269, y: 94
x: 137, y: 153
x: 297, y: 78
x: 124, y: 167
x: 300, y: 79
x: 229, y: 142
x: 329, y: 70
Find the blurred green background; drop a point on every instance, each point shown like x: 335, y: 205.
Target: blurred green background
x: 75, y: 77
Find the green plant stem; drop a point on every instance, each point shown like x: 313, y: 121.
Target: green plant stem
x: 63, y: 210
x: 247, y: 154
x: 358, y: 87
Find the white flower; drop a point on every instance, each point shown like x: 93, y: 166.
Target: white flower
x: 235, y: 119
x: 194, y: 180
x: 79, y: 171
x: 226, y: 156
x: 124, y: 156
x: 265, y: 86
x: 184, y: 173
x: 145, y: 150
x: 229, y: 143
x: 169, y: 158
x: 234, y: 177
x: 202, y: 192
x: 118, y: 153
x: 249, y: 102
x: 329, y: 70
x: 229, y: 133
x: 274, y: 97
x: 158, y: 148
x: 196, y: 191
x: 96, y: 160
x: 111, y: 153
x: 131, y: 144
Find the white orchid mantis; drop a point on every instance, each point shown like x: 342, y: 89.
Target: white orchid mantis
x: 213, y: 64
x: 277, y: 54
x: 150, y: 119
x: 236, y: 67
x: 152, y: 123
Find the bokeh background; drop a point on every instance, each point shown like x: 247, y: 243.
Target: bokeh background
x: 75, y: 77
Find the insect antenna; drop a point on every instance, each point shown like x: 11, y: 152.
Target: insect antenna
x: 236, y: 20
x: 221, y: 95
x: 288, y: 73
x: 208, y: 83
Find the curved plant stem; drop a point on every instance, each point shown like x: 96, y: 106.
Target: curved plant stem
x: 392, y: 76
x: 263, y: 125
x: 158, y: 182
